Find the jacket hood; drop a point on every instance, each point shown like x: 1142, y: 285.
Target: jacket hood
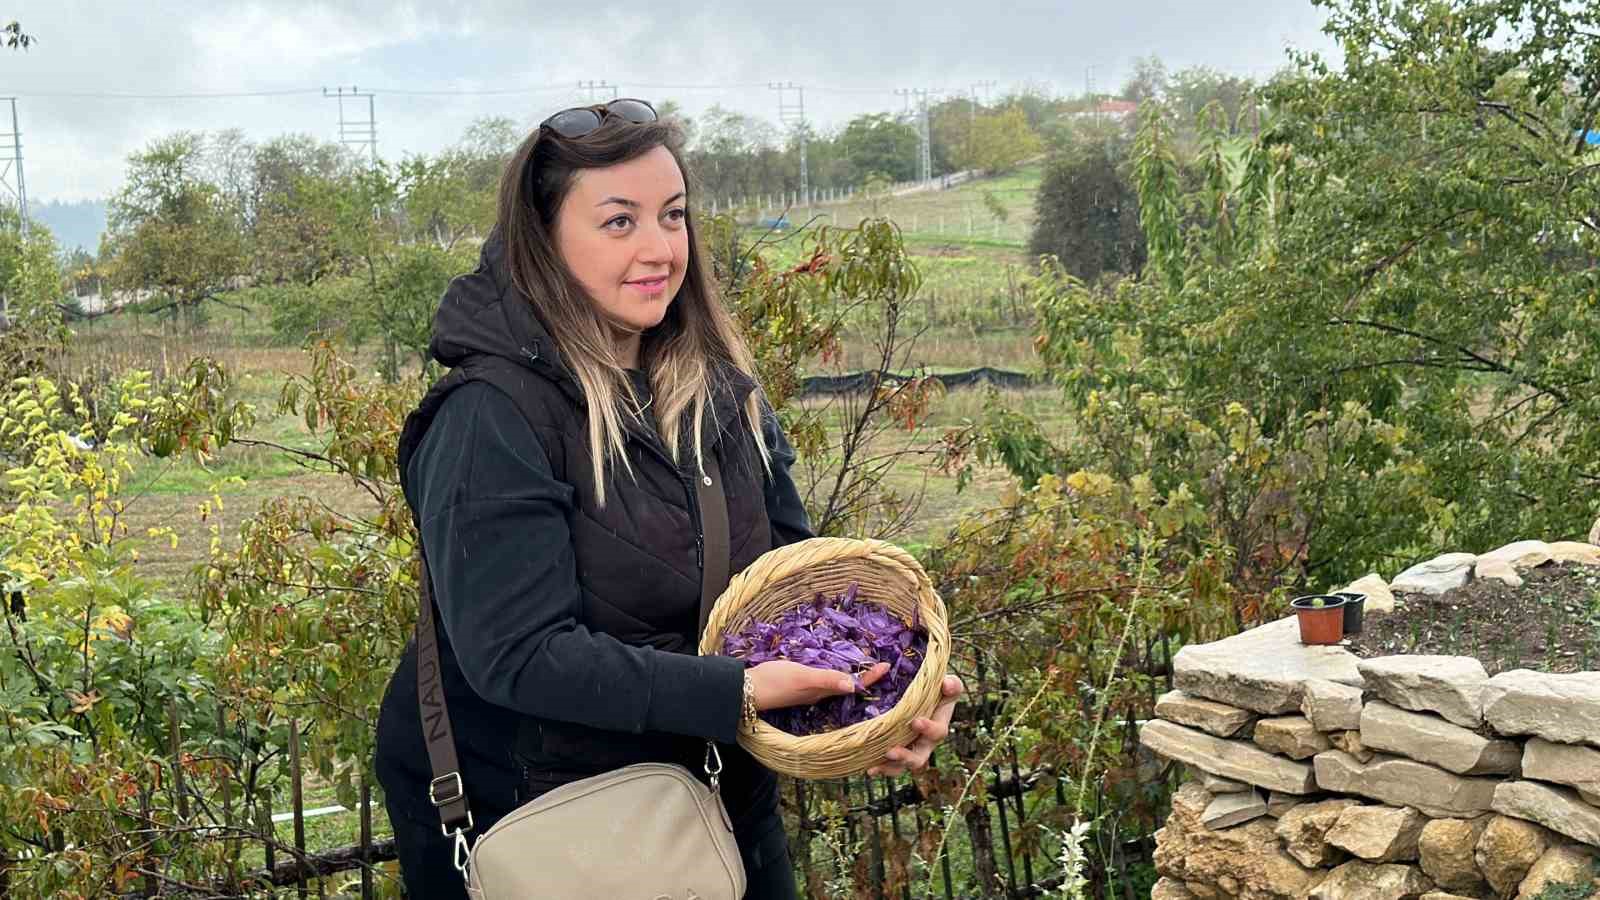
x: 483, y: 314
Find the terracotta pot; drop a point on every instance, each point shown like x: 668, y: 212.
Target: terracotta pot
x: 1320, y: 624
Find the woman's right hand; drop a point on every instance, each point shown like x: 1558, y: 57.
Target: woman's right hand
x: 781, y: 683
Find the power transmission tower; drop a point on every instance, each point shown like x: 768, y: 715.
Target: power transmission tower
x: 925, y: 151
x: 793, y: 115
x: 985, y: 85
x: 596, y: 90
x: 14, y: 189
x: 354, y: 132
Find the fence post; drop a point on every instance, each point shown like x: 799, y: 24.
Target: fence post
x: 802, y: 850
x: 181, y: 797
x: 1022, y: 804
x: 999, y: 802
x: 944, y: 849
x: 298, y: 799
x: 149, y: 884
x: 269, y: 836
x: 849, y: 820
x: 366, y: 839
x: 878, y: 864
x: 227, y: 776
x: 230, y: 847
x: 980, y: 829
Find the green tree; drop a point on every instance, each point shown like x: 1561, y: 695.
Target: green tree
x: 172, y: 231
x: 1087, y: 211
x: 32, y: 298
x: 1148, y: 81
x: 1400, y: 267
x: 367, y: 254
x: 876, y: 142
x: 952, y: 123
x: 1191, y: 90
x: 281, y: 161
x: 672, y: 110
x: 446, y: 197
x: 485, y: 147
x: 1003, y: 139
x: 736, y: 154
x: 296, y: 197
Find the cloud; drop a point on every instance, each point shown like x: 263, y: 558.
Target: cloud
x: 230, y: 41
x: 851, y: 57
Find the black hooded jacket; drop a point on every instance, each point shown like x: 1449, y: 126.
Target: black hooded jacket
x: 568, y: 631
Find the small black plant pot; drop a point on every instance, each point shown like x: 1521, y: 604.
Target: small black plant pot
x: 1355, y: 606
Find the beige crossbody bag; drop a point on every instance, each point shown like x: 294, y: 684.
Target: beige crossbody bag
x: 650, y: 831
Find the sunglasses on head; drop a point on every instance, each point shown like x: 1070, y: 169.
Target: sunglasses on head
x: 580, y: 120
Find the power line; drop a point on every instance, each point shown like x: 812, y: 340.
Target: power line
x: 114, y: 95
x: 495, y: 92
x: 428, y: 92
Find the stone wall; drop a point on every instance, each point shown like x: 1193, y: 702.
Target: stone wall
x: 1318, y: 775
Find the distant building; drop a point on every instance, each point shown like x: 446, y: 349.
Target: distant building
x: 1116, y: 109
x: 1110, y: 110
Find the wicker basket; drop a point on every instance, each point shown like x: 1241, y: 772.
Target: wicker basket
x: 791, y: 576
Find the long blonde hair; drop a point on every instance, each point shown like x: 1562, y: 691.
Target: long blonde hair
x: 680, y: 354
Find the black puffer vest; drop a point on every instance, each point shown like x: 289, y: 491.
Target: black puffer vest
x: 638, y: 558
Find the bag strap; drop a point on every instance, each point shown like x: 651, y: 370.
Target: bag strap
x: 716, y: 556
x: 446, y: 791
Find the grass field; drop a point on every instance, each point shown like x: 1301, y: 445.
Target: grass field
x: 958, y: 215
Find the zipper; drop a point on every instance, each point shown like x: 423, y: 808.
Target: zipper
x: 653, y: 443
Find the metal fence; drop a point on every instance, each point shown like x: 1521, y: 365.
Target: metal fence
x: 987, y: 856
x: 999, y: 858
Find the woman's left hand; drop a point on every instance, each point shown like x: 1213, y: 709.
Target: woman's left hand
x: 931, y: 732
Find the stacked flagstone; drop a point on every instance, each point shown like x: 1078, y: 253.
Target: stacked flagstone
x: 1319, y: 775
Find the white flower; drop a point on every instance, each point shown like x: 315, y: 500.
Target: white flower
x: 1073, y: 862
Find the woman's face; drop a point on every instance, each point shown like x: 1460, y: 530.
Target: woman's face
x: 622, y: 232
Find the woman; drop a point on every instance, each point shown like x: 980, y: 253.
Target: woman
x: 560, y: 525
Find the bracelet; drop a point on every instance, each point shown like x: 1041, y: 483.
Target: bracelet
x: 747, y: 716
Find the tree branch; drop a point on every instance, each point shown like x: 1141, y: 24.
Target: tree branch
x: 1488, y: 365
x: 1372, y: 271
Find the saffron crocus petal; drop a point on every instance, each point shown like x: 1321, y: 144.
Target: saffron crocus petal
x: 843, y: 633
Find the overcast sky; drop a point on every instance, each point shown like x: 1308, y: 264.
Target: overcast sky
x: 850, y: 55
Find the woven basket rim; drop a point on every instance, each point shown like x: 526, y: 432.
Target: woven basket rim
x: 859, y: 746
